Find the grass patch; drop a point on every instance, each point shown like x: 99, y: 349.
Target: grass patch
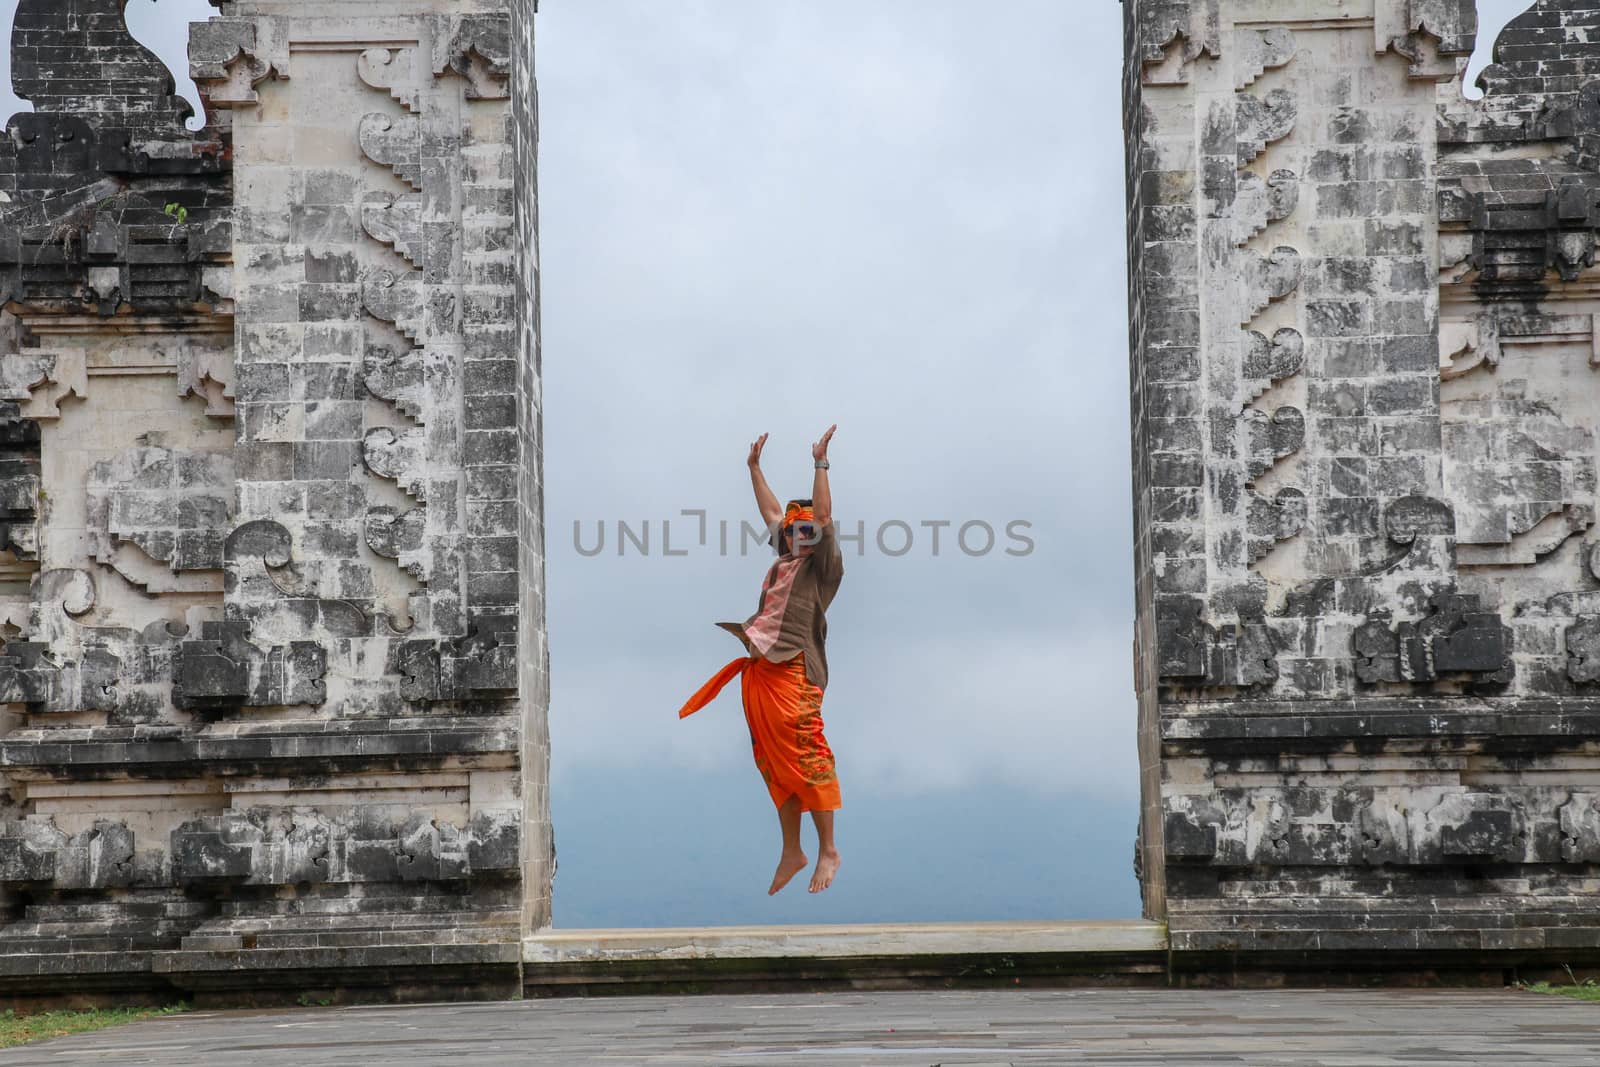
x: 1588, y: 990
x: 20, y: 1029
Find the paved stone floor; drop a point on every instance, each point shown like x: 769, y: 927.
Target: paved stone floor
x: 1368, y: 1029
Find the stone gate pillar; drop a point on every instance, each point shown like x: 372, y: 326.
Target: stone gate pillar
x: 274, y: 674
x: 1364, y: 371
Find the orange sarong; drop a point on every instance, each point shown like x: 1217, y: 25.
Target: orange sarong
x: 784, y: 712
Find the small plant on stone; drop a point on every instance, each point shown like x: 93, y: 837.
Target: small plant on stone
x: 1587, y: 989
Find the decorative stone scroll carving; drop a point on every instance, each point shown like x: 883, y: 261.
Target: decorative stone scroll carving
x: 1275, y: 519
x: 1481, y: 827
x: 40, y: 381
x: 396, y: 298
x: 1524, y: 479
x: 208, y: 374
x: 401, y: 457
x: 1424, y: 530
x: 1456, y: 638
x: 1269, y: 439
x: 1466, y: 346
x: 1296, y: 826
x: 1579, y: 821
x: 19, y: 482
x: 1163, y: 23
x: 487, y: 656
x: 395, y: 71
x: 260, y: 570
x: 399, y: 536
x: 478, y: 48
x: 175, y: 505
x: 1267, y: 278
x: 396, y: 222
x: 1258, y: 51
x: 34, y: 852
x: 66, y: 665
x: 225, y: 669
x: 1523, y: 218
x: 28, y: 851
x: 1191, y: 649
x: 229, y: 57
x: 1267, y: 362
x: 397, y: 378
x: 1583, y: 649
x: 1259, y: 121
x: 1259, y: 202
x: 482, y: 662
x: 1433, y: 34
x: 394, y: 143
x: 28, y: 675
x: 268, y: 846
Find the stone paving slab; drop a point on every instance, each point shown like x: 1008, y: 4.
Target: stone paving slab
x: 1124, y: 1027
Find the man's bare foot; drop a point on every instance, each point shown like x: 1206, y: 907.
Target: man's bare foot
x: 827, y: 867
x: 791, y: 864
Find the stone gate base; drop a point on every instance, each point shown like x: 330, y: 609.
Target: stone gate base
x: 412, y: 958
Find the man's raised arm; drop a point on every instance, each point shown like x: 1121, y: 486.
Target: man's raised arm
x: 771, y: 510
x: 821, y: 495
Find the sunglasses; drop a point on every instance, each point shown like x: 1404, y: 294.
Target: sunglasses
x: 804, y: 531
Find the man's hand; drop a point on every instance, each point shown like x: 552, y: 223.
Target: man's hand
x: 766, y: 503
x: 821, y: 495
x: 819, y: 451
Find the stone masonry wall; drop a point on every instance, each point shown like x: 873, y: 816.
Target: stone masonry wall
x: 271, y: 582
x: 533, y: 652
x: 1364, y: 342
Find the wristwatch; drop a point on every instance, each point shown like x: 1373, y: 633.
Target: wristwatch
x: 822, y: 464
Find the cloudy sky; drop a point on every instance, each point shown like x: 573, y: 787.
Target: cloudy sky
x: 764, y: 217
x: 904, y: 217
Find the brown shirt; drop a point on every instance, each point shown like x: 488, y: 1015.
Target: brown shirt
x: 790, y: 616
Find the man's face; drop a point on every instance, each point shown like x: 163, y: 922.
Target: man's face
x: 800, y: 538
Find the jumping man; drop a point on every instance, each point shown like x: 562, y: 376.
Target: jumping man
x: 785, y: 668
